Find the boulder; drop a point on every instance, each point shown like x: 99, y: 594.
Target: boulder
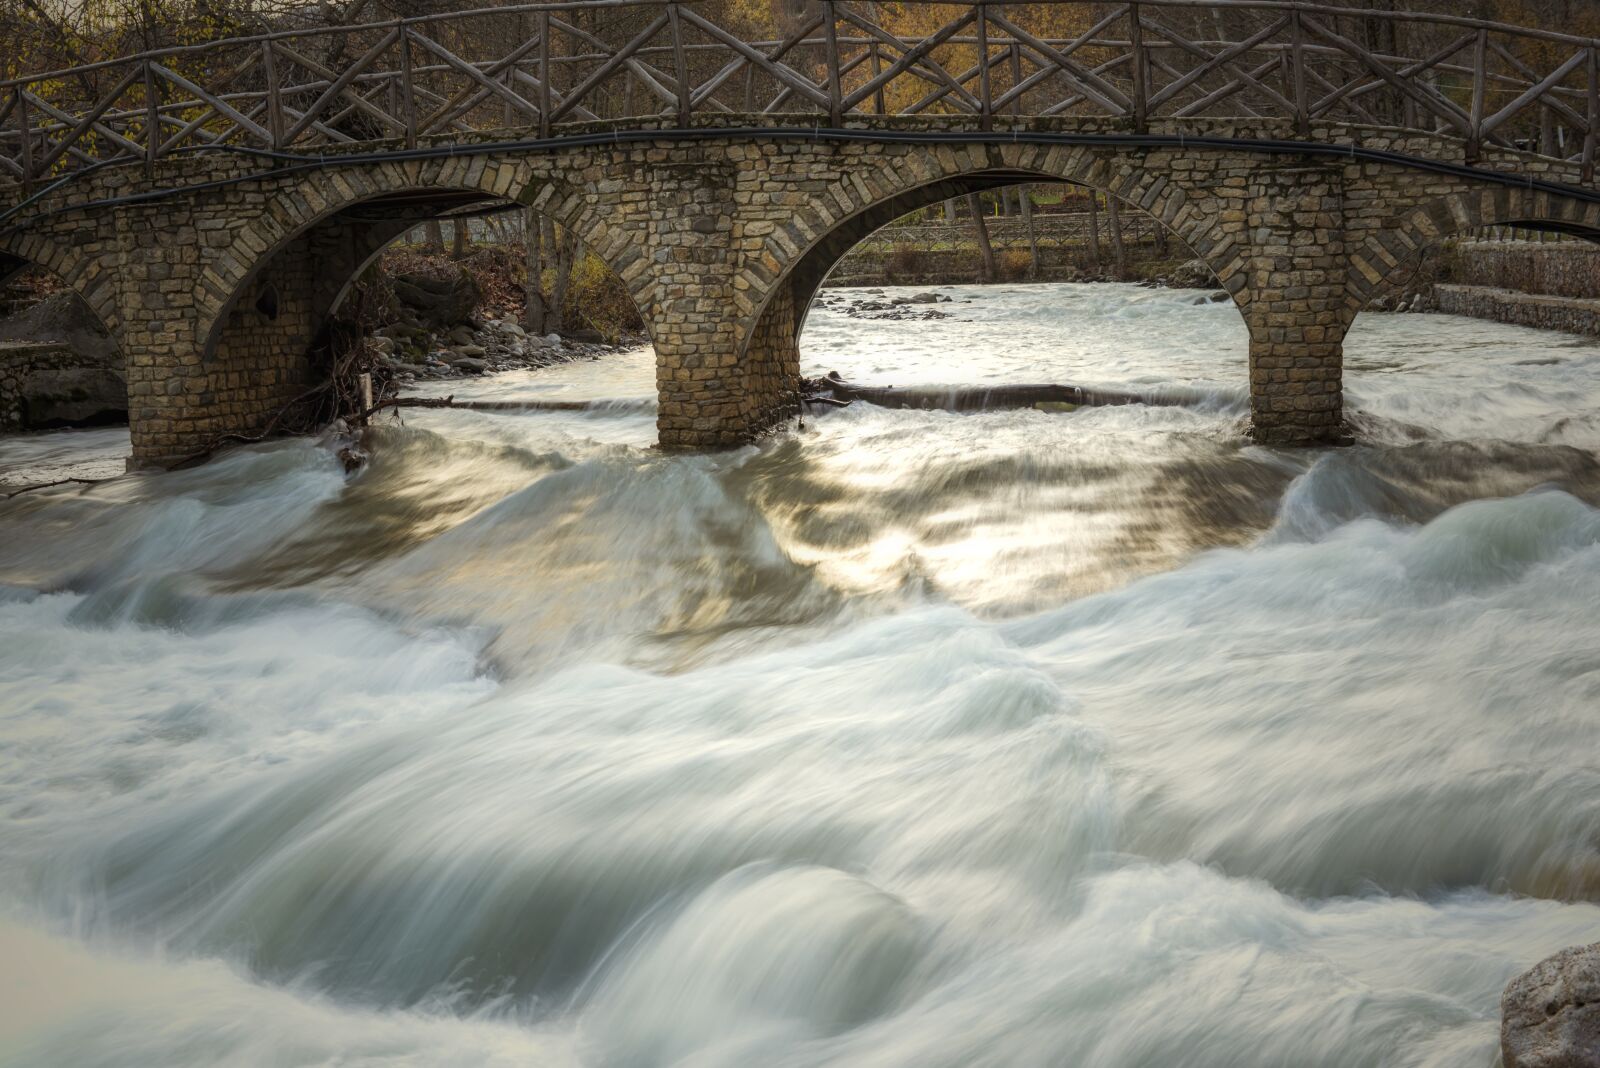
x: 470, y: 365
x: 73, y: 396
x: 59, y: 367
x: 924, y: 298
x: 1550, y: 1014
x: 1195, y: 274
x: 468, y: 350
x: 440, y: 301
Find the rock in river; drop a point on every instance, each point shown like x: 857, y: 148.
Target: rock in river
x: 1550, y: 1014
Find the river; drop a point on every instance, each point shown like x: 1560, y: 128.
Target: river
x: 907, y: 738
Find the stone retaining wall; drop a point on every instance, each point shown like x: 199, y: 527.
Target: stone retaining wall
x: 46, y: 383
x: 1561, y: 269
x: 1571, y: 314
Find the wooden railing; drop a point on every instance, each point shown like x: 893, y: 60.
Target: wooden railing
x: 536, y: 69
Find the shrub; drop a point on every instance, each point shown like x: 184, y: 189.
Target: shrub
x: 1014, y: 264
x: 597, y: 298
x: 905, y: 261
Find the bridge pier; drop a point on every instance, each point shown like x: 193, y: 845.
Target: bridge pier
x: 198, y: 375
x: 1296, y: 302
x: 217, y: 291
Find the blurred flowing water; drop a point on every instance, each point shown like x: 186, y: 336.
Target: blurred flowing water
x: 909, y: 738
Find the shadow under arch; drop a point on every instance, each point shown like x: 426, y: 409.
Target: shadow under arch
x: 306, y: 275
x: 344, y: 236
x: 20, y: 253
x: 819, y: 237
x: 48, y: 388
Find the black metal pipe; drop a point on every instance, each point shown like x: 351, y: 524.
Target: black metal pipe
x: 298, y: 163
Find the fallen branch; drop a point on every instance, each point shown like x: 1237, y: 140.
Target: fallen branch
x: 490, y: 406
x: 836, y: 392
x: 57, y: 482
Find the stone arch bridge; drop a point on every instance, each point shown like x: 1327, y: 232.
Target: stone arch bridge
x: 214, y: 219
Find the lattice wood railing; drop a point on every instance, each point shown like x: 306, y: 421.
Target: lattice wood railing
x: 537, y: 69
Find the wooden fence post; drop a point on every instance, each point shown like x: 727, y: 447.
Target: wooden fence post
x: 835, y: 94
x: 681, y: 61
x: 408, y: 91
x: 1141, y: 73
x: 1480, y: 80
x: 985, y: 110
x: 544, y: 74
x: 152, y: 120
x: 1302, y: 106
x: 1594, y: 116
x: 877, y: 68
x: 269, y: 69
x: 25, y: 127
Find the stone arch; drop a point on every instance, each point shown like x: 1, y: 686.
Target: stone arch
x: 82, y: 275
x: 1402, y: 240
x: 297, y: 212
x: 787, y: 262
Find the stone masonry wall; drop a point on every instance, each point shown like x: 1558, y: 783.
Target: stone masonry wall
x: 30, y: 369
x: 1571, y: 314
x: 708, y: 232
x: 1560, y: 269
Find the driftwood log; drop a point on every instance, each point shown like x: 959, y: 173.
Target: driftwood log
x: 491, y: 406
x: 835, y: 391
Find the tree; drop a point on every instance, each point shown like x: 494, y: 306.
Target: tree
x: 533, y: 315
x: 981, y: 230
x: 1119, y: 255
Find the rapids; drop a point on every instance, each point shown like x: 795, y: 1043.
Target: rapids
x: 1099, y: 738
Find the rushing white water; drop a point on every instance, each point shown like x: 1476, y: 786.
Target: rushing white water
x: 909, y: 738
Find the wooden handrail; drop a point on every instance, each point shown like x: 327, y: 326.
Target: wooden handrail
x: 1131, y: 66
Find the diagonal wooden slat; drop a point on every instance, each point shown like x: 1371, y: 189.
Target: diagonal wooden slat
x: 1251, y: 78
x: 1352, y: 90
x: 221, y: 106
x: 367, y: 108
x: 911, y: 56
x: 616, y: 62
x: 89, y: 121
x: 1078, y: 96
x: 1212, y: 62
x: 1046, y: 71
x: 1087, y: 82
x: 651, y: 76
x: 767, y: 64
x: 340, y: 84
x: 515, y: 99
x: 1431, y: 102
x: 1241, y: 79
x: 924, y: 66
x: 1533, y: 92
x: 1549, y: 100
x: 468, y: 97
